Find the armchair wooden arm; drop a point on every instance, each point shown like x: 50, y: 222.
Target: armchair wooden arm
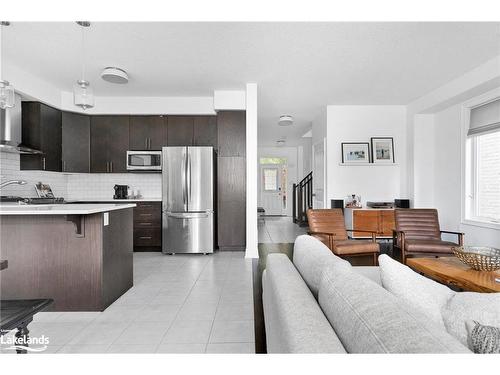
x: 398, y: 238
x: 331, y: 237
x: 460, y: 236
x: 373, y: 233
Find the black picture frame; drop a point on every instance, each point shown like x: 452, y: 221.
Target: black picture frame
x: 373, y: 150
x: 368, y: 154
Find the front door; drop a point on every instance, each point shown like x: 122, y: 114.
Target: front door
x: 272, y: 190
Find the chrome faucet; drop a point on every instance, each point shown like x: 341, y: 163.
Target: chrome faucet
x: 12, y: 182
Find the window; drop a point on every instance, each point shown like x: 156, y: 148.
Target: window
x: 483, y: 164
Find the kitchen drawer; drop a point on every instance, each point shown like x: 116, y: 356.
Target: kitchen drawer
x: 148, y: 206
x: 150, y: 237
x: 147, y: 216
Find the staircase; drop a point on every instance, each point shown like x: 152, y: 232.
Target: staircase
x: 302, y: 200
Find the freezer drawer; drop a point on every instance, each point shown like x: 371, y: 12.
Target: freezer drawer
x: 188, y: 233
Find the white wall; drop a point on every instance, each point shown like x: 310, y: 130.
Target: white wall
x: 305, y: 157
x: 290, y: 153
x: 447, y: 179
x: 252, y: 170
x: 424, y: 145
x: 441, y: 158
x: 353, y: 123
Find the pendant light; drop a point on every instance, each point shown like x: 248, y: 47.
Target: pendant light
x: 7, y: 99
x: 82, y: 92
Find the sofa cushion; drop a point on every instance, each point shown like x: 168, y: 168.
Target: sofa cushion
x: 349, y: 247
x: 369, y: 319
x: 370, y: 272
x: 429, y: 246
x: 483, y: 308
x: 441, y: 304
x: 294, y: 321
x: 483, y: 339
x: 310, y: 256
x: 424, y: 294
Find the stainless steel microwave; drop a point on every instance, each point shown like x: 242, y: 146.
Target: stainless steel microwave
x: 144, y: 161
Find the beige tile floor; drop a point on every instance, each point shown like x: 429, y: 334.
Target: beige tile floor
x: 178, y: 304
x: 279, y: 229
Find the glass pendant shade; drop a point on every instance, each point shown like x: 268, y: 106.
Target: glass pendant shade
x: 6, y: 95
x: 83, y: 94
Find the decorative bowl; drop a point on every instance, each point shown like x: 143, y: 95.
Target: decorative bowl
x: 479, y: 258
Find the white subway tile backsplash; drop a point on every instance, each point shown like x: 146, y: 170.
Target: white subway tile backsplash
x: 78, y: 186
x: 82, y: 186
x: 10, y: 170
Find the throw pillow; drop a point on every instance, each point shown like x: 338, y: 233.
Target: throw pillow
x: 423, y: 294
x: 483, y: 339
x: 464, y: 306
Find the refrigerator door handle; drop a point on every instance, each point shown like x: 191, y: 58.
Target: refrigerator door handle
x: 188, y: 176
x: 192, y: 215
x: 184, y: 184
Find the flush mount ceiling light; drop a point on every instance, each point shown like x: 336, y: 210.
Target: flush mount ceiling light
x: 285, y: 120
x: 280, y: 142
x: 114, y: 75
x: 83, y: 95
x: 7, y: 99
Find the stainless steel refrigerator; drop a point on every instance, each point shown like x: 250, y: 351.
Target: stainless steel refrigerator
x: 188, y: 199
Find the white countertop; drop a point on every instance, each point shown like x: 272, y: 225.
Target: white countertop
x: 61, y: 209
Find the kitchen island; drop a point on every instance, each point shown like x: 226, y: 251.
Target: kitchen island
x: 79, y: 255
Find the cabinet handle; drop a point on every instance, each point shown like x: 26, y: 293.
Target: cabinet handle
x: 146, y: 214
x: 146, y: 224
x: 145, y: 238
x: 107, y: 167
x: 111, y: 167
x: 146, y: 142
x: 43, y: 163
x: 64, y: 166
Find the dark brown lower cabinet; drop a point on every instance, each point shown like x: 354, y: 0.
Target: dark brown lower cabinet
x: 231, y: 213
x: 147, y: 226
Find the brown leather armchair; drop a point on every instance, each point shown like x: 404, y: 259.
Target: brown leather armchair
x: 418, y: 233
x: 329, y: 227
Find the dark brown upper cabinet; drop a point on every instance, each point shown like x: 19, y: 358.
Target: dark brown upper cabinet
x: 205, y: 131
x: 109, y: 142
x: 147, y: 133
x: 180, y: 130
x: 231, y: 128
x: 41, y: 130
x: 75, y: 143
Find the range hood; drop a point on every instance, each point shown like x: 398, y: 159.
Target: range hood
x: 10, y: 130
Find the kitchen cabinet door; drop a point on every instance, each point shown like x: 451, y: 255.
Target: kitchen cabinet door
x: 75, y: 142
x: 109, y: 141
x: 118, y: 143
x: 231, y: 128
x: 99, y: 129
x: 180, y: 131
x: 146, y: 133
x: 231, y: 193
x: 41, y: 130
x: 205, y: 131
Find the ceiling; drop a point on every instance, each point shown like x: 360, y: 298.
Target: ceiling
x: 299, y: 67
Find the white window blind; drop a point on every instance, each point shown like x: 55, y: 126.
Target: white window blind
x: 485, y: 118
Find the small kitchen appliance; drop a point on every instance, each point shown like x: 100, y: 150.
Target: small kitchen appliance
x: 121, y: 192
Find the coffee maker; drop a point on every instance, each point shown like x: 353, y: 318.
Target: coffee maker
x: 121, y: 192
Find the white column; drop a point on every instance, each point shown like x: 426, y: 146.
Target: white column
x: 252, y: 173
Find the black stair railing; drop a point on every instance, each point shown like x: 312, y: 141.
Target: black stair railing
x: 302, y: 199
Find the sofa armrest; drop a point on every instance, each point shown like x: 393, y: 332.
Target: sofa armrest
x: 294, y: 321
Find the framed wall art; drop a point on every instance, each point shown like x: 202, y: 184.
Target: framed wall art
x: 355, y: 152
x: 382, y: 149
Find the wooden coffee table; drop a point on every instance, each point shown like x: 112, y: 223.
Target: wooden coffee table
x: 452, y: 272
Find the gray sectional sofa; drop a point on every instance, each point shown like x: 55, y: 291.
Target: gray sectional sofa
x: 319, y: 303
